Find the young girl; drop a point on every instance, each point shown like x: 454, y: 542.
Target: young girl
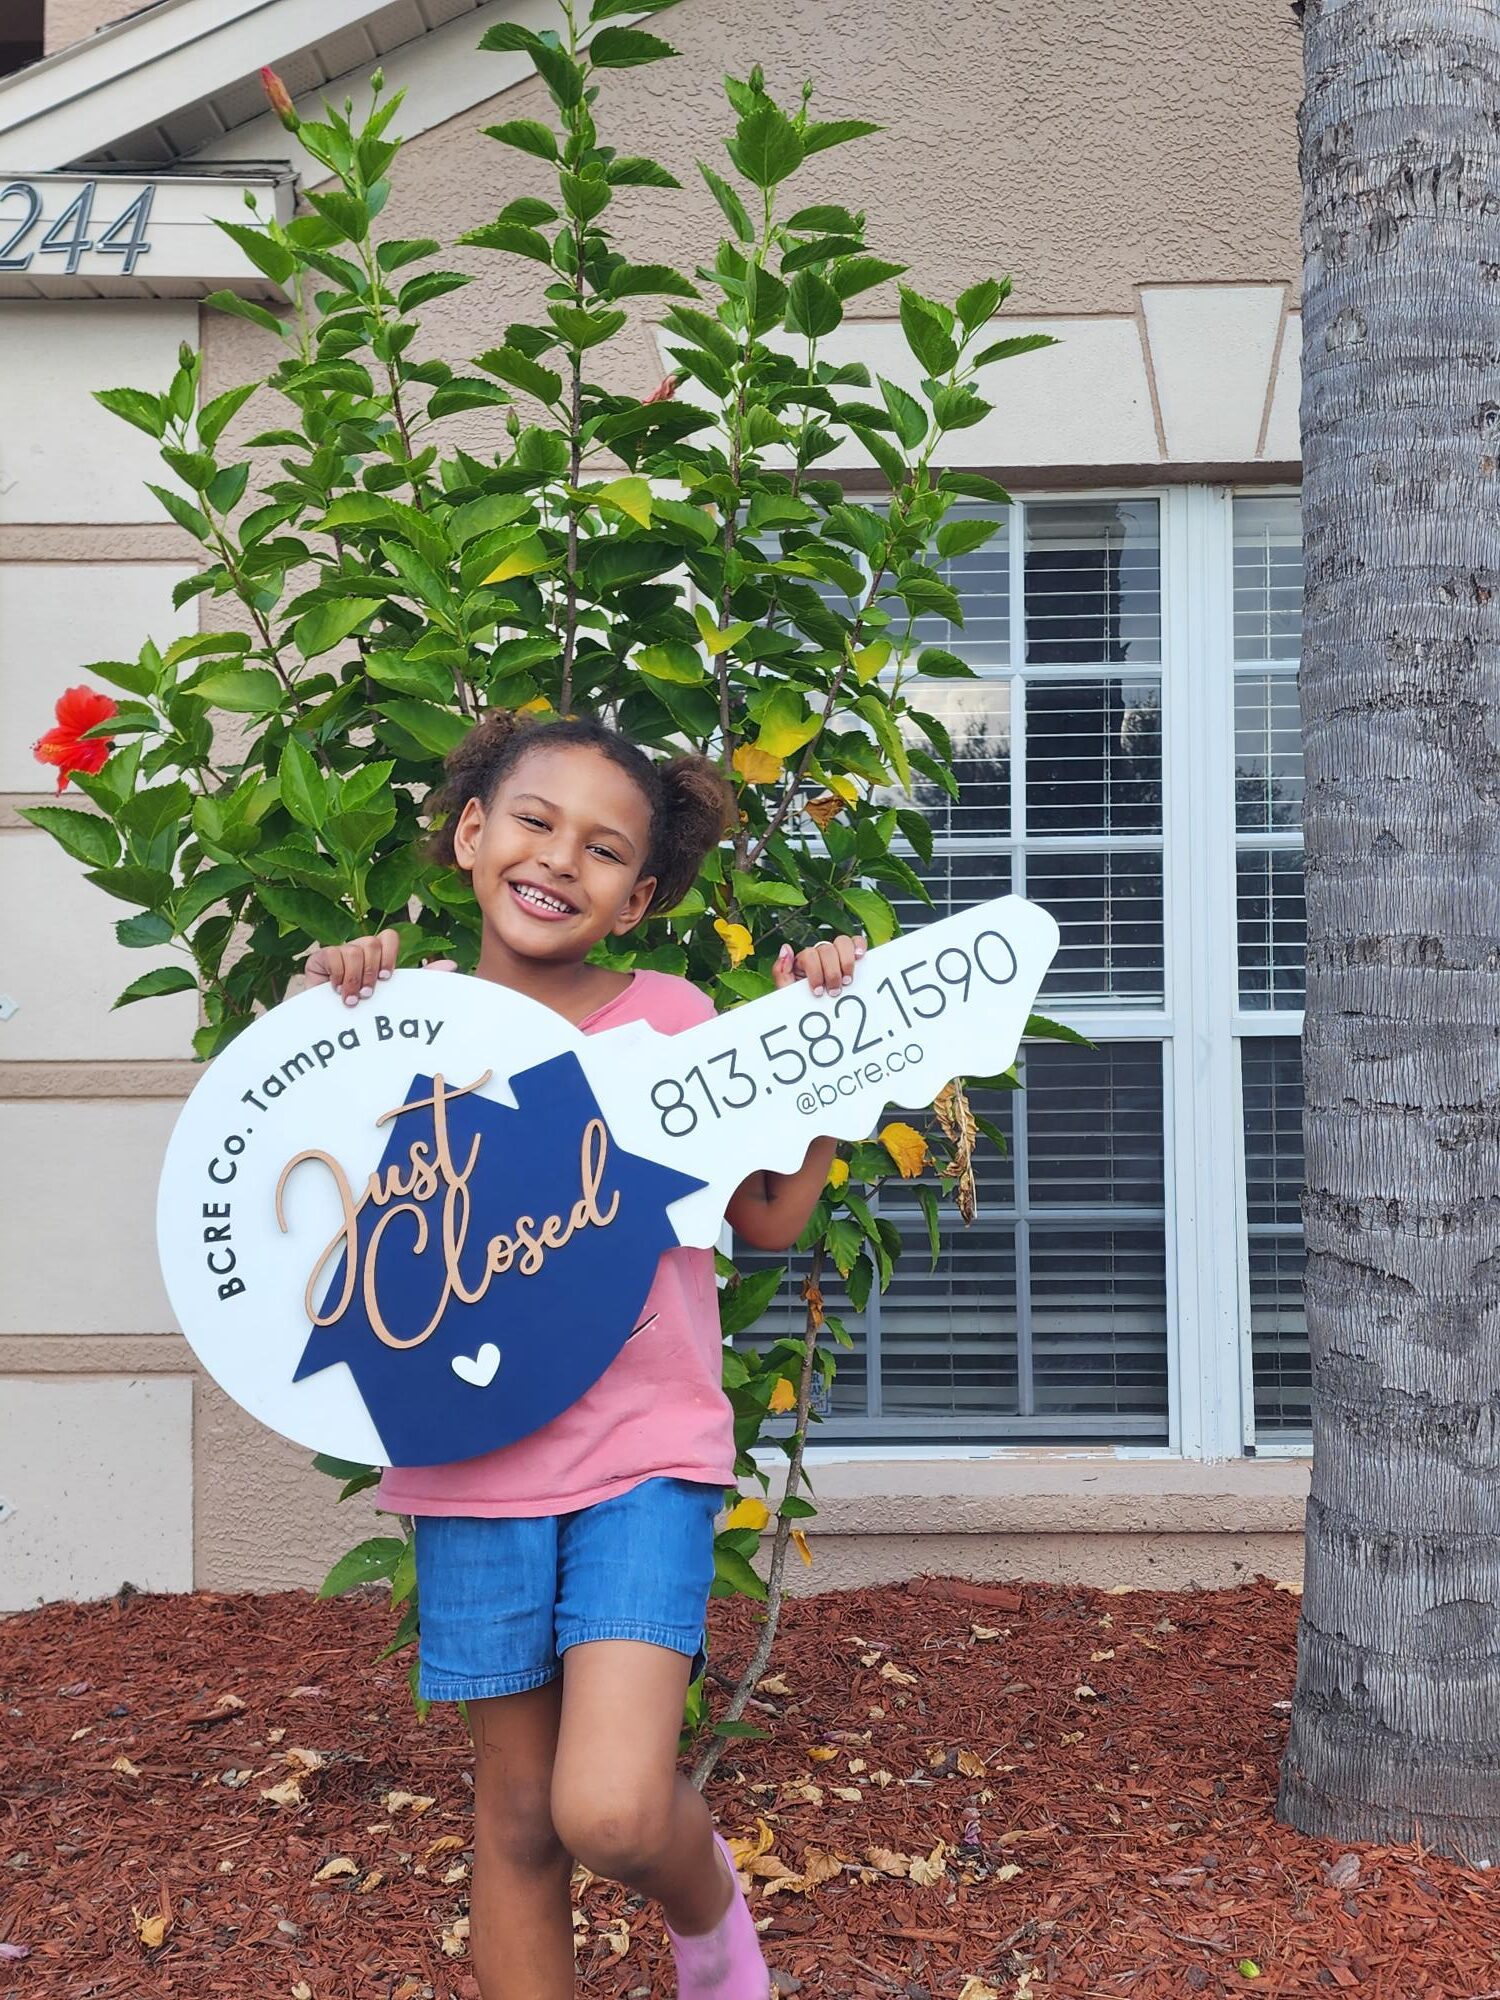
x: 563, y: 1579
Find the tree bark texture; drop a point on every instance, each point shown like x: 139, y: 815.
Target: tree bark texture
x: 1395, y: 1729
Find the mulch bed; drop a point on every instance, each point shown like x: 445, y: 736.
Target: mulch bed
x: 968, y: 1792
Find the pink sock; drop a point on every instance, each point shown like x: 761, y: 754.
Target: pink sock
x: 725, y: 1963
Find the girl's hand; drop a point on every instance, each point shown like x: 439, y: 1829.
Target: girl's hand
x: 826, y: 967
x: 352, y: 969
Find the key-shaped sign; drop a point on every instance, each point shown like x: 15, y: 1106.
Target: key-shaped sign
x: 410, y: 1232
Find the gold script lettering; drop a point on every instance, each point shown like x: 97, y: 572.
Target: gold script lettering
x: 400, y: 1191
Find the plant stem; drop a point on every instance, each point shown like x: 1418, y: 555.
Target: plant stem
x: 760, y: 1658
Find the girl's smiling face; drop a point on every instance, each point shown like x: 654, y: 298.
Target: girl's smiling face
x: 556, y: 857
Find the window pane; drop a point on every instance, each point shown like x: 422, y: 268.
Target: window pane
x: 1094, y: 1125
x: 954, y: 882
x: 1099, y: 1320
x: 1110, y: 909
x: 1093, y: 582
x: 1272, y: 928
x: 1267, y: 753
x: 982, y: 581
x: 948, y: 1337
x: 976, y: 715
x: 1267, y: 577
x: 1271, y: 1075
x: 1093, y: 756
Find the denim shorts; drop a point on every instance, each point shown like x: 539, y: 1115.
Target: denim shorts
x: 502, y: 1600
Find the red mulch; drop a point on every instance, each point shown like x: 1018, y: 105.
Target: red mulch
x: 1099, y: 1768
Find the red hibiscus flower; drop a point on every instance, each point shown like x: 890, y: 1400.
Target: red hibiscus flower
x: 77, y: 710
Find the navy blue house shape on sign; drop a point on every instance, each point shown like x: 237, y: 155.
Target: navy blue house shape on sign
x: 557, y: 1326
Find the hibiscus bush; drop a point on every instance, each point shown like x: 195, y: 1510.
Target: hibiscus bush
x: 405, y: 542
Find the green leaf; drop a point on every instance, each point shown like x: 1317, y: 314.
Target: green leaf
x: 625, y: 48
x: 153, y: 809
x: 325, y: 625
x: 733, y: 208
x: 907, y: 414
x: 978, y: 303
x: 733, y: 1574
x: 959, y: 538
x: 509, y: 36
x: 86, y: 836
x: 815, y: 306
x: 148, y: 413
x: 231, y: 302
x: 1047, y: 1030
x: 226, y: 489
x: 631, y: 496
x: 514, y: 656
x: 876, y: 917
x: 399, y: 250
x: 615, y: 561
x: 240, y: 690
x: 836, y: 132
x: 521, y: 372
x: 826, y: 220
x: 511, y: 236
x: 630, y: 170
x: 367, y: 1563
x: 795, y: 1508
x: 147, y: 886
x: 765, y: 147
x: 630, y: 281
x: 436, y: 729
x: 429, y: 285
x: 160, y: 979
x: 527, y: 135
x: 882, y: 451
x: 1021, y: 343
x: 183, y: 512
x: 744, y: 1299
x: 672, y: 660
x: 737, y: 1731
x: 584, y: 196
x: 928, y: 1198
x: 340, y: 1468
x: 938, y: 664
x: 973, y: 486
x: 922, y: 321
x: 560, y: 73
x: 294, y: 908
x: 858, y: 274
x: 215, y: 415
x: 274, y: 259
x: 303, y: 790
x: 143, y: 931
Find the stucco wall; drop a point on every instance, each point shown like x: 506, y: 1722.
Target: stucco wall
x: 68, y: 21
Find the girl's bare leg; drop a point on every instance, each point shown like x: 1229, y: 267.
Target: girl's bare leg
x: 618, y: 1801
x: 520, y: 1911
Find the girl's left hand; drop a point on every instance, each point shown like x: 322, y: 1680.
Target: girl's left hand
x: 826, y: 967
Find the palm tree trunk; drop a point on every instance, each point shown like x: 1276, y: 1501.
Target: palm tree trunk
x: 1396, y: 1723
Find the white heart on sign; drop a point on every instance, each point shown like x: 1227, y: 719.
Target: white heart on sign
x: 478, y: 1368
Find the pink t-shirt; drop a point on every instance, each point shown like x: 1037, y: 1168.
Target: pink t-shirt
x: 659, y: 1409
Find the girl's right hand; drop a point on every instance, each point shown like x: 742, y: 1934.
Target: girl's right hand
x: 352, y: 969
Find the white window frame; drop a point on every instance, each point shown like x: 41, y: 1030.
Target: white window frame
x: 1199, y: 1024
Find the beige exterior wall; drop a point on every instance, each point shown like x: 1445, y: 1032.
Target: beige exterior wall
x: 1134, y: 170
x: 68, y: 21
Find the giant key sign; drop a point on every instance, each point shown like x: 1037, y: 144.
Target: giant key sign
x: 410, y: 1232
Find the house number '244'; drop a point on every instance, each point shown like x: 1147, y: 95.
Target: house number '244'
x: 69, y: 236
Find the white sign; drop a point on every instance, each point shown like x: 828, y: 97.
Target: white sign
x: 413, y: 1231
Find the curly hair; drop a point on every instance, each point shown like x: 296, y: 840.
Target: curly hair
x: 691, y: 804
